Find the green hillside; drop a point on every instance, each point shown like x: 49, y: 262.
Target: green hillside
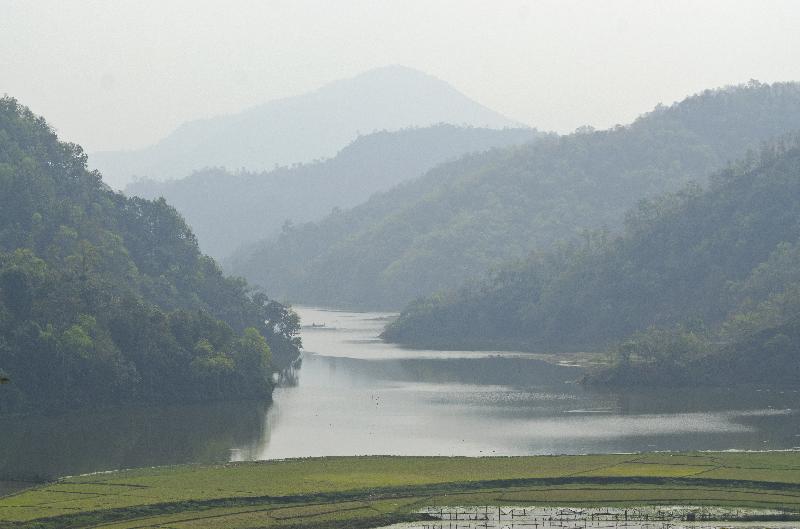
x: 466, y: 217
x: 105, y: 298
x: 709, y: 282
x: 229, y: 209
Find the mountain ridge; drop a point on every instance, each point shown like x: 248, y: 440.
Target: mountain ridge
x: 302, y: 128
x: 694, y: 258
x: 463, y: 218
x: 227, y: 210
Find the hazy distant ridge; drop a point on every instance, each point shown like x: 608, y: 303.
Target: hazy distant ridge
x: 301, y: 128
x: 227, y: 209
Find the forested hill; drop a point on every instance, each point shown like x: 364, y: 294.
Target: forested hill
x: 302, y: 128
x: 707, y: 283
x: 227, y: 209
x: 464, y: 217
x: 105, y: 298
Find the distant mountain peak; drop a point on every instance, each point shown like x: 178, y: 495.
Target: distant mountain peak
x: 302, y: 128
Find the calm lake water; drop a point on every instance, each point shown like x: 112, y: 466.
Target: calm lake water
x: 353, y: 394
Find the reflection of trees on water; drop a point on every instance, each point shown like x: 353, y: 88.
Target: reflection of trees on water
x: 289, y: 377
x: 47, y: 446
x: 256, y: 445
x: 43, y: 447
x: 506, y: 371
x: 636, y: 401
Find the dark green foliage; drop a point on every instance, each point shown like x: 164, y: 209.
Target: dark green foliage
x: 656, y: 357
x: 677, y: 357
x: 228, y: 209
x: 706, y: 282
x: 466, y: 217
x: 106, y: 299
x: 770, y: 355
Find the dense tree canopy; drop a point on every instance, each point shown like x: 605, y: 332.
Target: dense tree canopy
x: 705, y: 285
x: 226, y: 210
x: 468, y: 216
x: 105, y: 298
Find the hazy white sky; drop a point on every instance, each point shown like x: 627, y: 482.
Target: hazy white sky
x: 122, y: 74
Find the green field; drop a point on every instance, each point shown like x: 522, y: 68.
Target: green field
x: 372, y: 491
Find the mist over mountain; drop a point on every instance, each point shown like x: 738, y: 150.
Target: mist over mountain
x: 227, y: 210
x: 301, y: 128
x: 465, y: 217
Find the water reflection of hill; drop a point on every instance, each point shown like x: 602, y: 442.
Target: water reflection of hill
x: 35, y: 447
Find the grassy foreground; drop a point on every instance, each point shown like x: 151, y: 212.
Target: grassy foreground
x: 357, y: 492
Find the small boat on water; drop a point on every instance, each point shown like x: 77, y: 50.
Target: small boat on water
x: 318, y: 326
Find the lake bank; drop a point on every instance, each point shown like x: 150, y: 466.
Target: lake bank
x: 379, y: 490
x: 353, y: 394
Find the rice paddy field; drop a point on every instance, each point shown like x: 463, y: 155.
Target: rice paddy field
x: 354, y: 492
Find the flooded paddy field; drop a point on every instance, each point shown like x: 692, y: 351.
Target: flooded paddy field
x: 655, y: 517
x: 646, y: 491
